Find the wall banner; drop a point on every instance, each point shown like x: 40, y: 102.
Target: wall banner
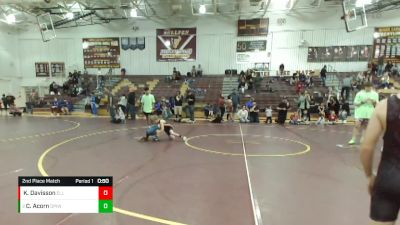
x: 176, y: 44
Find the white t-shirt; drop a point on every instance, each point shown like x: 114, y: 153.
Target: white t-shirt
x: 268, y: 112
x: 242, y: 113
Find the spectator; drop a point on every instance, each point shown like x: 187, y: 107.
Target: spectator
x: 122, y: 103
x: 333, y: 105
x: 303, y: 103
x: 294, y: 119
x: 395, y: 70
x: 191, y: 100
x: 193, y: 71
x: 281, y: 69
x: 388, y: 67
x: 131, y: 101
x: 147, y: 101
x: 250, y: 103
x: 208, y: 110
x: 94, y: 104
x: 346, y: 86
x: 257, y: 83
x: 221, y: 105
x: 380, y: 65
x: 323, y: 76
x: 253, y: 113
x: 199, y: 71
x: 332, y: 118
x: 5, y: 102
x: 178, y: 100
x: 243, y: 115
x: 268, y: 115
x: 14, y: 110
x: 235, y: 100
x: 385, y: 81
x: 55, y: 107
x: 229, y: 109
x: 282, y: 111
x: 321, y: 114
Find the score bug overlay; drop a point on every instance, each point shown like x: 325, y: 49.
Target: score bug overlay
x: 65, y: 194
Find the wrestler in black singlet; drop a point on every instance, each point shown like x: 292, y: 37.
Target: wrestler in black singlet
x: 385, y: 201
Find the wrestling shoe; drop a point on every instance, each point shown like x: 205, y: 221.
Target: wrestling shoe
x: 352, y: 142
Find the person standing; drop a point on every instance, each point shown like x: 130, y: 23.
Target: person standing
x: 304, y: 103
x: 221, y: 105
x: 364, y: 103
x: 384, y: 187
x: 178, y: 100
x: 323, y: 75
x: 94, y: 104
x: 131, y: 110
x: 282, y: 111
x: 346, y: 86
x: 191, y: 100
x: 235, y: 100
x: 147, y: 101
x: 5, y: 102
x: 122, y: 103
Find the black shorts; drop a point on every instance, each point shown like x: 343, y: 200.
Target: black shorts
x: 147, y: 114
x: 167, y: 130
x: 385, y: 200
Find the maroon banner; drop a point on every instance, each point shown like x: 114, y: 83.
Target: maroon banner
x: 176, y: 44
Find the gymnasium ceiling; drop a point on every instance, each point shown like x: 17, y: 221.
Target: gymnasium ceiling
x: 68, y: 13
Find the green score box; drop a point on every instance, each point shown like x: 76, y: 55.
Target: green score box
x: 105, y: 206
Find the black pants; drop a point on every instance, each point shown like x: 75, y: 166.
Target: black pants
x: 268, y: 120
x: 347, y: 90
x: 222, y: 109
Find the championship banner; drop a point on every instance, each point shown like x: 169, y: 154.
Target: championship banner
x: 101, y: 52
x: 42, y: 69
x: 387, y: 44
x: 176, y: 44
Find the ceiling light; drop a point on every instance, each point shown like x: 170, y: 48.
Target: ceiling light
x: 202, y: 9
x: 134, y: 13
x: 361, y: 3
x: 85, y: 45
x: 10, y: 19
x: 69, y: 15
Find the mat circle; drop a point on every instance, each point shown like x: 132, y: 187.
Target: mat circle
x: 307, y: 148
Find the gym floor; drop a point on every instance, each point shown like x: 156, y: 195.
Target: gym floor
x: 304, y: 175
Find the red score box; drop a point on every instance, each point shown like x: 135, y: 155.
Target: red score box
x: 105, y: 193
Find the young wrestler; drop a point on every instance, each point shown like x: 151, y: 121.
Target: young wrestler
x: 154, y: 130
x: 169, y: 130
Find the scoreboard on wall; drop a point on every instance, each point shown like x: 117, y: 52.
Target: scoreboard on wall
x: 387, y: 44
x: 253, y: 27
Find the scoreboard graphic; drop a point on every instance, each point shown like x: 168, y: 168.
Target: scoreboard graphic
x: 65, y: 194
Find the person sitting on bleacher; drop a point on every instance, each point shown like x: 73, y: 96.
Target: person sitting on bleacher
x: 199, y: 72
x: 14, y: 110
x: 243, y: 115
x: 55, y: 107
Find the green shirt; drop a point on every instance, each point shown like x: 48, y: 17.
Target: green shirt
x: 147, y: 103
x: 365, y: 110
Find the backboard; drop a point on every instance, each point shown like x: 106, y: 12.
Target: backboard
x: 46, y: 27
x: 354, y: 15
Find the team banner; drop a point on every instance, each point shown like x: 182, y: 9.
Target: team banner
x: 176, y: 44
x: 133, y: 43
